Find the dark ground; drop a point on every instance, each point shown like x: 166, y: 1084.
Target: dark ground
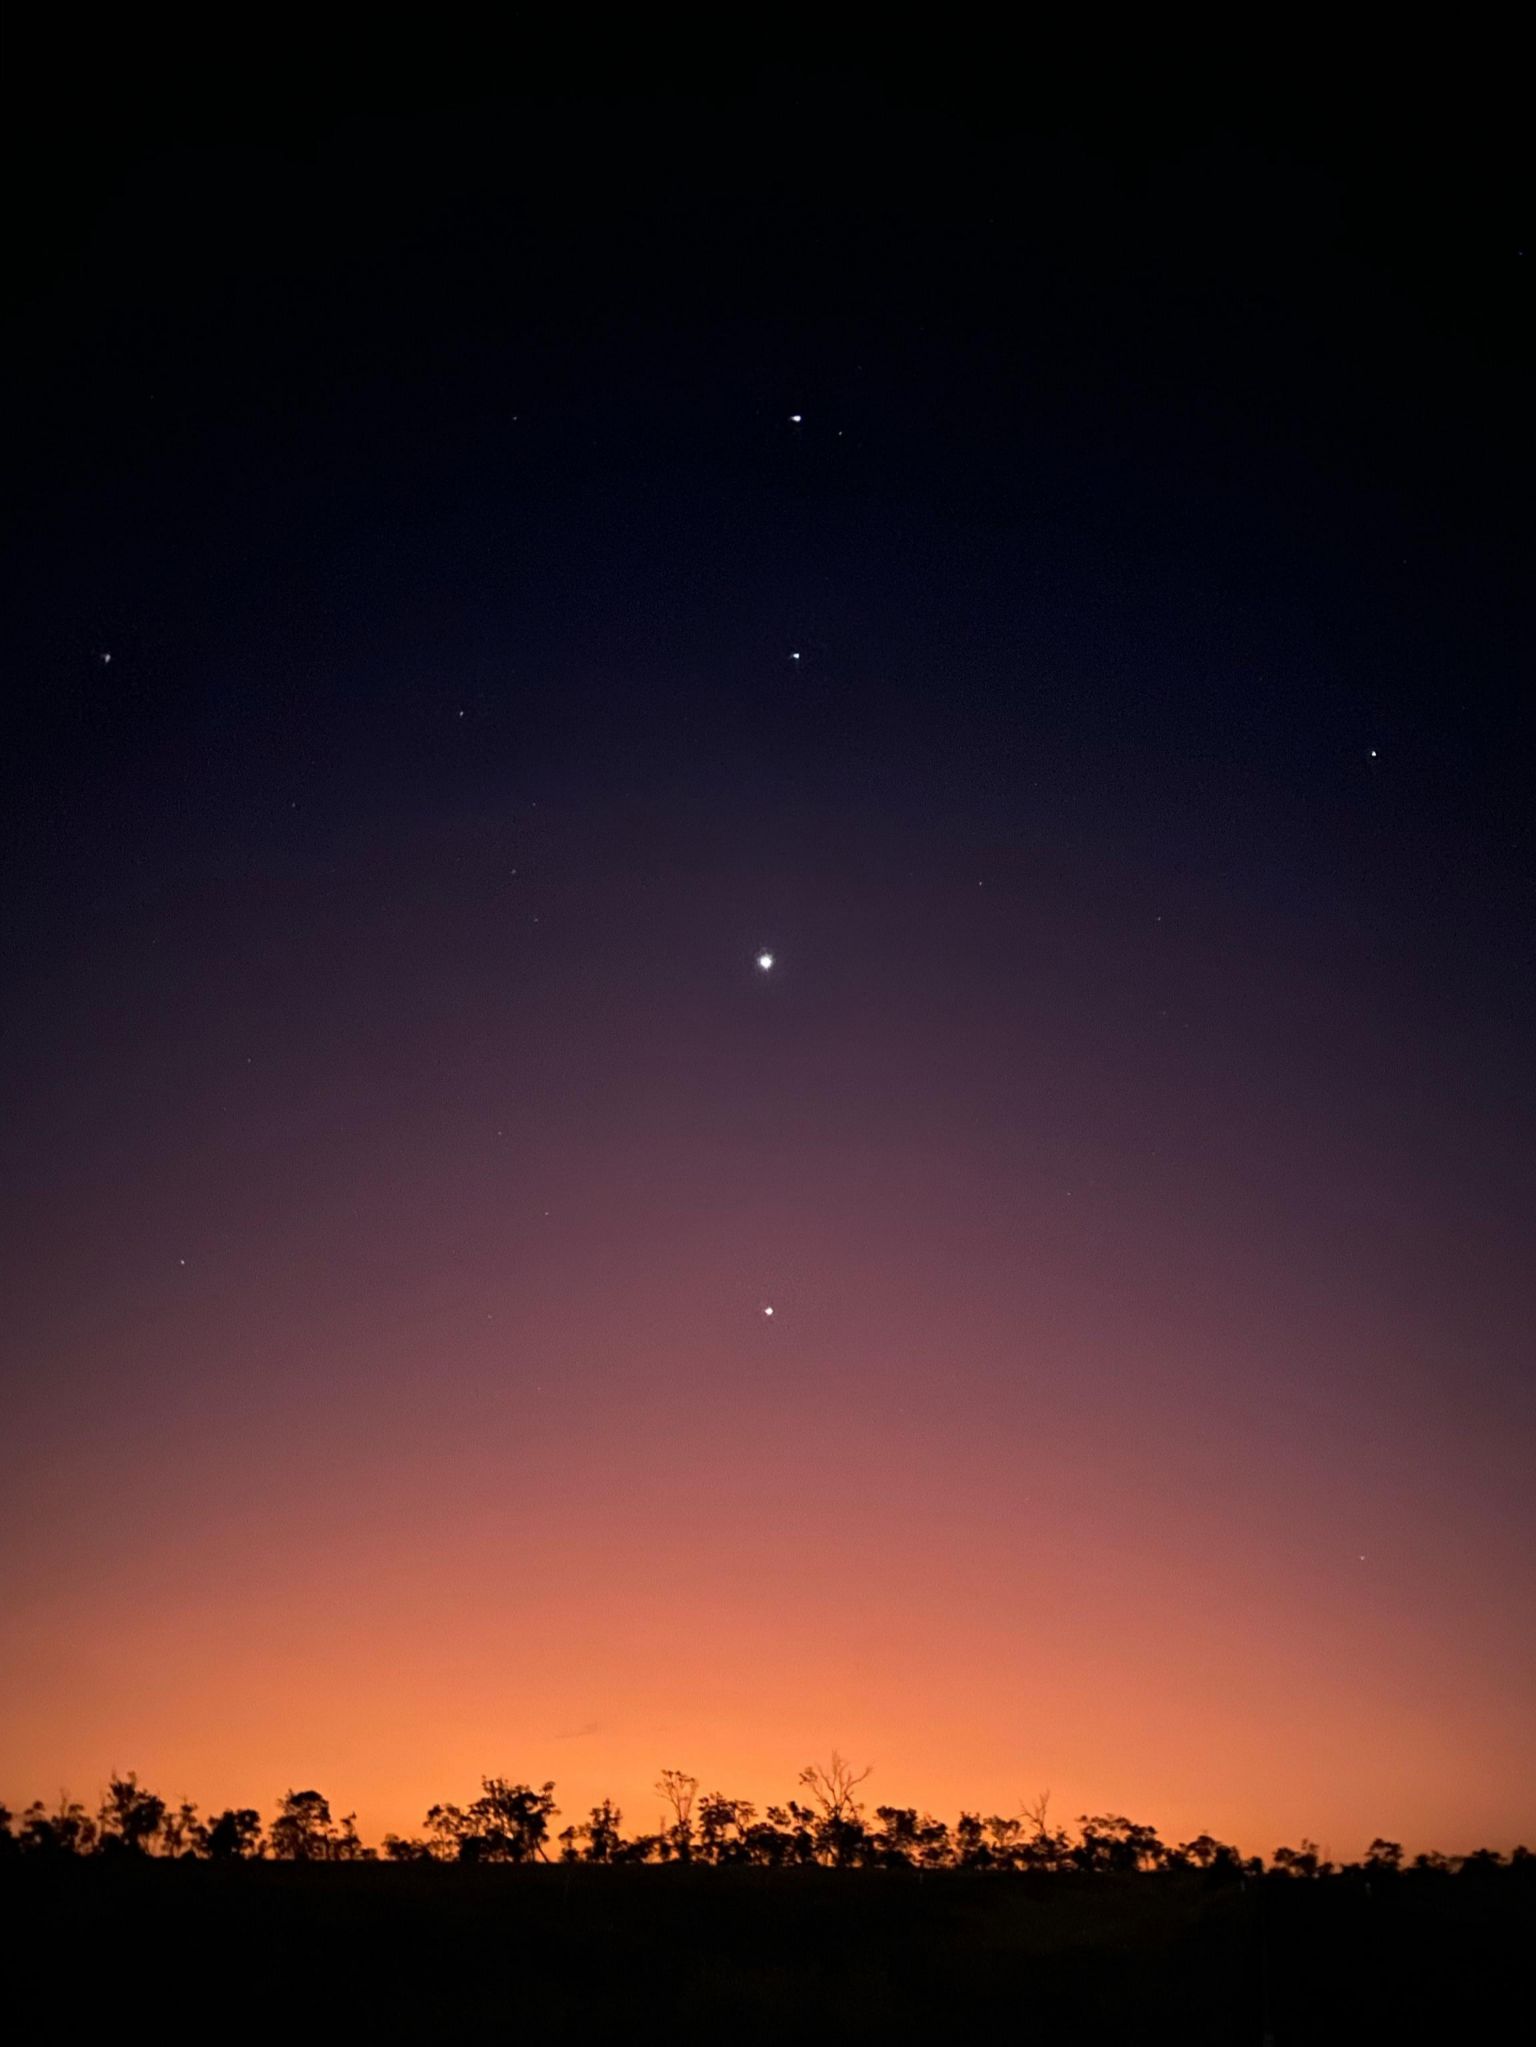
x: 298, y: 1953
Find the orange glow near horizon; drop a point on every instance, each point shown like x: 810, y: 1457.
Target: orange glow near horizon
x: 454, y: 1583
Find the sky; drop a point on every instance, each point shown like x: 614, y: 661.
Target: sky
x: 493, y: 555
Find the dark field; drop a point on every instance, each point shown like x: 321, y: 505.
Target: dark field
x: 294, y: 1952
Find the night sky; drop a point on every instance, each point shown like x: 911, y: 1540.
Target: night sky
x: 491, y: 555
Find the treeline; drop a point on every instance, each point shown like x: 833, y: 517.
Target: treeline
x: 827, y: 1826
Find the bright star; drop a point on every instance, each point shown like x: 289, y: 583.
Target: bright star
x: 769, y: 1311
x: 765, y: 960
x: 795, y: 418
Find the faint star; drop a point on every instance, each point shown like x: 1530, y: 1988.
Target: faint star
x: 795, y: 418
x: 106, y: 658
x: 796, y: 655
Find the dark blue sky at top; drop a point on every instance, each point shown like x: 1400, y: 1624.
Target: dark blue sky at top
x: 1155, y: 538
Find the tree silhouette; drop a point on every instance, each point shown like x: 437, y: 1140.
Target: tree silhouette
x: 1044, y: 1847
x: 971, y: 1850
x: 303, y: 1830
x: 507, y: 1823
x: 1112, y: 1842
x: 724, y: 1825
x: 678, y: 1790
x: 346, y: 1845
x: 446, y: 1827
x: 1214, y: 1856
x: 838, y: 1822
x: 182, y: 1832
x: 234, y: 1836
x: 398, y: 1848
x: 1005, y: 1837
x: 67, y: 1830
x: 130, y: 1817
x: 907, y: 1842
x: 601, y: 1834
x: 604, y: 1832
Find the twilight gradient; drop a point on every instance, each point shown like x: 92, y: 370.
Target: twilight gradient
x: 404, y: 1142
